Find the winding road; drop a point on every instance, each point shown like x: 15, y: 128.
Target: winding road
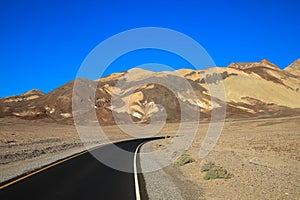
x: 83, y: 177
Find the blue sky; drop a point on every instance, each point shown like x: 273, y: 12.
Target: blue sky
x: 44, y: 42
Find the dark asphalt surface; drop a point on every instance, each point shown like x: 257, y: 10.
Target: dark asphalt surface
x: 82, y: 177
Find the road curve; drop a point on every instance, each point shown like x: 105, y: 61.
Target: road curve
x: 82, y: 177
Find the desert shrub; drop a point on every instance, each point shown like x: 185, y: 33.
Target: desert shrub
x: 183, y: 160
x: 206, y: 167
x: 213, y: 171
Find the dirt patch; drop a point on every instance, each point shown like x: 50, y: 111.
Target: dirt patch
x: 262, y: 155
x: 188, y: 188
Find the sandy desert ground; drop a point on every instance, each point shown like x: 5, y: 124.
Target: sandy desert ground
x: 262, y: 155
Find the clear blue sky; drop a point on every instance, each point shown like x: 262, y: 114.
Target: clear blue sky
x: 44, y: 42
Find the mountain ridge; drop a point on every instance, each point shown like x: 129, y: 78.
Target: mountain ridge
x: 253, y: 89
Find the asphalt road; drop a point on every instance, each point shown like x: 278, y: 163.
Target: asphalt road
x: 82, y: 177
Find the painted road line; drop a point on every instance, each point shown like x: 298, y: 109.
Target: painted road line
x: 136, y: 181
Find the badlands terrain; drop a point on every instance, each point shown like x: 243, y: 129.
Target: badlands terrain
x: 257, y: 89
x: 259, y: 144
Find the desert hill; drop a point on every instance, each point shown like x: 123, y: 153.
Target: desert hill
x: 294, y: 68
x: 253, y: 89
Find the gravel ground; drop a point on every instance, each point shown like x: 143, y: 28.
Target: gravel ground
x: 168, y: 182
x: 159, y: 184
x: 262, y: 154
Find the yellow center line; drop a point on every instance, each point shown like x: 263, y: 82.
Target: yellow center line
x: 42, y: 169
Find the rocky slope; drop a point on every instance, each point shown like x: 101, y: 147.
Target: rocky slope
x: 294, y: 68
x: 254, y: 89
